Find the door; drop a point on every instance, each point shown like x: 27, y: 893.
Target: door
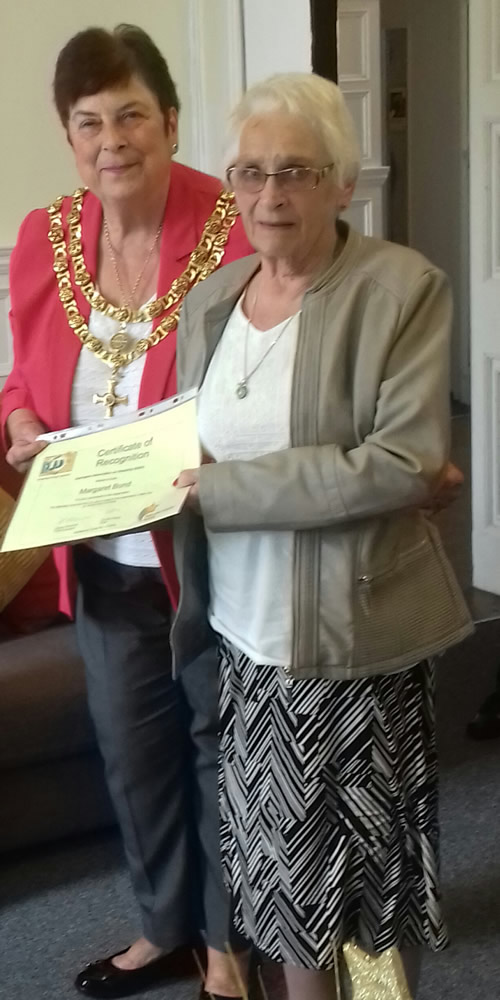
x: 426, y: 127
x: 484, y: 63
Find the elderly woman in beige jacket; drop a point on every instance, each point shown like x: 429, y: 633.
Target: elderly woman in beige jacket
x: 322, y: 363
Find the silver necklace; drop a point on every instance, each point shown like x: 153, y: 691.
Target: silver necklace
x: 242, y: 389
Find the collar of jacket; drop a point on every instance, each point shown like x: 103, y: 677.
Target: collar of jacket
x: 238, y: 275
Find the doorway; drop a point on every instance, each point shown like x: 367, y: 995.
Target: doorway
x: 427, y: 123
x: 426, y: 127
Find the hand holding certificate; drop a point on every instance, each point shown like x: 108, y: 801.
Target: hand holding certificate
x: 108, y: 481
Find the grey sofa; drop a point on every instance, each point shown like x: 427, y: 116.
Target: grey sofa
x: 51, y: 775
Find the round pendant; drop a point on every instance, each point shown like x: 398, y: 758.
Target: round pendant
x: 241, y: 389
x: 119, y: 341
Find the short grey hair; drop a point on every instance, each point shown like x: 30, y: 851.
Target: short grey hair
x: 308, y: 96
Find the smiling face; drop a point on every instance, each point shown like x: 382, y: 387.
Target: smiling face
x: 292, y: 225
x: 122, y: 141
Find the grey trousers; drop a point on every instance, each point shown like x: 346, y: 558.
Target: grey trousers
x: 159, y: 740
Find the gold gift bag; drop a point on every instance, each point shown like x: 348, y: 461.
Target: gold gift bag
x: 375, y: 977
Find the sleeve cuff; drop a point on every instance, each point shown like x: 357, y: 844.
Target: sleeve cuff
x: 13, y: 399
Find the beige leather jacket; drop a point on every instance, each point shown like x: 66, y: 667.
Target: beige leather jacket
x: 373, y: 591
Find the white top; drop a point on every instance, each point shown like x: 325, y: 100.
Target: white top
x: 92, y: 375
x: 250, y: 571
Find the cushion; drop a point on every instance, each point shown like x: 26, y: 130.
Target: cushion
x: 43, y: 703
x: 36, y: 605
x: 16, y: 568
x: 29, y: 582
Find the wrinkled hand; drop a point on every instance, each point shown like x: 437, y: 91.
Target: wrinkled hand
x: 447, y: 490
x: 24, y: 445
x: 191, y: 477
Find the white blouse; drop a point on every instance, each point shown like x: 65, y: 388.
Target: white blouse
x: 250, y: 571
x: 91, y: 376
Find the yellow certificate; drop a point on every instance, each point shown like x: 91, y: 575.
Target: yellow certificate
x: 107, y: 482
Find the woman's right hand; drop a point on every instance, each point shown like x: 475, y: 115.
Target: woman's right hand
x: 23, y: 428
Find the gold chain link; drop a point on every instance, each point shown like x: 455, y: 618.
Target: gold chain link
x: 203, y: 261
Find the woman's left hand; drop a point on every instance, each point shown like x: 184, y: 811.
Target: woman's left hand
x: 191, y: 477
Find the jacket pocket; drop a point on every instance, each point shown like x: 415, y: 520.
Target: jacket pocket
x: 408, y: 609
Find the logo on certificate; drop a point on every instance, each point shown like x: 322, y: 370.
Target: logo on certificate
x: 146, y: 512
x: 57, y: 464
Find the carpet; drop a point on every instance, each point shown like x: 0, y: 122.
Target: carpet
x: 65, y: 904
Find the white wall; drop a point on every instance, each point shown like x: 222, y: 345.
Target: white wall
x: 36, y: 162
x: 277, y: 37
x: 216, y: 76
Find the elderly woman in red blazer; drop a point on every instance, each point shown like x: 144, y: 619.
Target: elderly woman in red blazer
x: 96, y: 285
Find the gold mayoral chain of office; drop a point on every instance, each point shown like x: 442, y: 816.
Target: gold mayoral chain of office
x: 204, y: 259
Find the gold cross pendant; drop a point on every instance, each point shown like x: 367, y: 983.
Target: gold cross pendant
x: 109, y: 399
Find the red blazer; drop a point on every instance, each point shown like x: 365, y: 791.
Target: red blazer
x: 46, y: 349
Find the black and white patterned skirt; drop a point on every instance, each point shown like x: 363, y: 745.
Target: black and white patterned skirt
x: 328, y: 795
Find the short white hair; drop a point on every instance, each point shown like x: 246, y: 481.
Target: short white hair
x: 308, y: 96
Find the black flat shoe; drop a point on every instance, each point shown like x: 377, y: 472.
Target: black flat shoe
x: 104, y: 980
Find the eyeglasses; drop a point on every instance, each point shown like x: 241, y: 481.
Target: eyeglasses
x: 252, y: 179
